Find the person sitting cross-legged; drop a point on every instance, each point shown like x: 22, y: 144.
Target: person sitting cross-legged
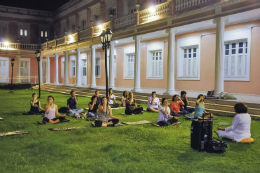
x: 98, y: 97
x: 112, y: 99
x: 104, y: 112
x: 165, y: 118
x: 131, y: 107
x: 123, y: 99
x: 51, y: 111
x: 93, y: 107
x: 186, y: 103
x: 200, y: 111
x: 175, y: 106
x: 71, y: 103
x: 153, y: 103
x: 35, y: 106
x: 240, y: 128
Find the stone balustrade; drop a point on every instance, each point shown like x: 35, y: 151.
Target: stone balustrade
x: 155, y: 13
x: 60, y: 41
x: 125, y: 21
x: 87, y: 33
x: 51, y: 44
x: 182, y: 4
x: 15, y: 46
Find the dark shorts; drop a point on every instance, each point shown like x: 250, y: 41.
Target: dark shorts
x: 46, y: 120
x: 98, y: 123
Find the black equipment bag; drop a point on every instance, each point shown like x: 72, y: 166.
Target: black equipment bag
x: 201, y: 134
x: 64, y: 110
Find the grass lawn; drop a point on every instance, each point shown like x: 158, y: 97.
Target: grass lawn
x: 130, y: 148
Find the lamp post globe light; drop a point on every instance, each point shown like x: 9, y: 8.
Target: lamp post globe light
x: 38, y: 56
x: 106, y: 37
x: 12, y: 64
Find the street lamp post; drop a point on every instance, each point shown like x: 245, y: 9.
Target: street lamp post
x: 12, y: 64
x: 38, y: 56
x: 105, y: 40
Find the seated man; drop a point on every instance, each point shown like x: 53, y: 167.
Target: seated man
x: 112, y: 99
x: 153, y: 103
x: 98, y: 97
x: 93, y: 106
x: 240, y: 128
x: 71, y: 103
x: 35, y: 106
x: 51, y: 111
x: 186, y: 103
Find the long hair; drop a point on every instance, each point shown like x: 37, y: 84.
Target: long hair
x: 93, y: 97
x: 124, y: 94
x: 173, y: 98
x: 110, y: 90
x: 199, y: 98
x: 163, y: 100
x: 102, y: 100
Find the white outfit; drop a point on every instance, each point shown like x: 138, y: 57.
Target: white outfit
x: 156, y: 103
x: 240, y: 128
x: 163, y: 117
x: 111, y: 99
x: 51, y: 114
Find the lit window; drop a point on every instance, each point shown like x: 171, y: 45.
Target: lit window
x: 41, y: 33
x: 97, y: 67
x: 21, y: 31
x: 25, y: 32
x: 46, y: 34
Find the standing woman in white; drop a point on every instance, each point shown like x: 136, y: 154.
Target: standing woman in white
x: 240, y: 128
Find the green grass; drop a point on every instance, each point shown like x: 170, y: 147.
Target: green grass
x: 132, y: 148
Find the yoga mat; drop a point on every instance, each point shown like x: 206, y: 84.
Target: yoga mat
x: 137, y: 123
x: 1, y: 119
x: 66, y: 128
x: 13, y: 133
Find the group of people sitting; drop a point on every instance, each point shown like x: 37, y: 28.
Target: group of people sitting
x: 101, y: 109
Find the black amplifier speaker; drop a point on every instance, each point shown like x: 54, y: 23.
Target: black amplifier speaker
x: 201, y: 134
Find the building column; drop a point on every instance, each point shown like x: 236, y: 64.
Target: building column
x: 93, y: 67
x: 56, y: 69
x: 137, y: 70
x: 41, y: 80
x: 18, y: 68
x: 48, y: 69
x: 78, y: 76
x: 111, y: 65
x: 66, y: 67
x: 171, y: 61
x: 219, y: 55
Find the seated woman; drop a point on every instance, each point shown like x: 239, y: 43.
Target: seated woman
x: 240, y: 128
x: 104, y: 112
x: 124, y: 97
x: 93, y: 106
x: 35, y: 106
x: 131, y: 107
x: 51, y: 111
x: 112, y: 99
x: 165, y: 118
x: 175, y: 106
x: 200, y: 108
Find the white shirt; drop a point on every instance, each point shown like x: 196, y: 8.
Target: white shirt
x: 156, y: 102
x: 52, y: 113
x: 111, y: 99
x: 163, y: 117
x: 240, y: 127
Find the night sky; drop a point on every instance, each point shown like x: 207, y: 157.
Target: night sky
x: 46, y: 5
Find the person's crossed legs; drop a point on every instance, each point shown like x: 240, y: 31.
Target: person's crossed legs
x: 149, y: 109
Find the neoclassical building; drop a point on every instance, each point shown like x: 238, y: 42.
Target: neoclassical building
x: 196, y: 45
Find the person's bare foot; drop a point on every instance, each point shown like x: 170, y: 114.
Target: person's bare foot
x: 104, y: 125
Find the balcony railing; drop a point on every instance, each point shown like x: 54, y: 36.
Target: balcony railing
x: 182, y: 4
x: 51, y: 44
x: 14, y: 46
x: 60, y: 41
x: 125, y: 21
x: 155, y: 13
x: 87, y: 33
